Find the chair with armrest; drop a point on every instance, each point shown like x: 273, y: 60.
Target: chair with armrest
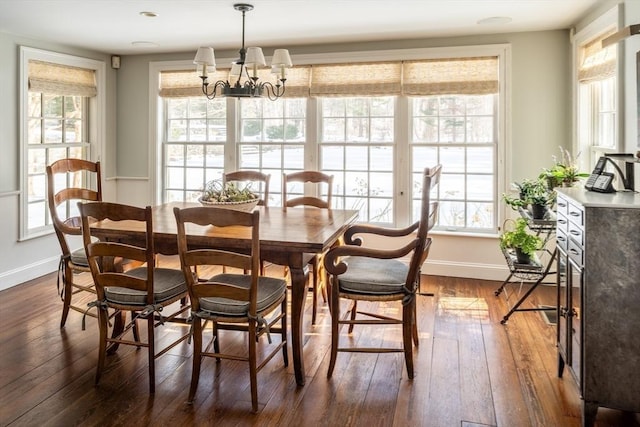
x: 318, y: 178
x: 144, y: 291
x: 250, y: 176
x: 360, y: 273
x: 74, y: 178
x: 230, y: 298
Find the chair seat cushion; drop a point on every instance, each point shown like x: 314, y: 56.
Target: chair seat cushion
x: 270, y: 290
x: 373, y: 276
x: 79, y: 257
x: 168, y: 284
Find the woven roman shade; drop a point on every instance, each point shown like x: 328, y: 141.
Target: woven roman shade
x: 450, y: 76
x: 597, y: 63
x: 57, y: 79
x: 184, y: 83
x: 359, y: 79
x: 464, y: 76
x: 175, y: 84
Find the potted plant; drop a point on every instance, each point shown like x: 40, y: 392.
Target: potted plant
x: 564, y: 172
x: 524, y: 189
x: 534, y: 193
x: 228, y: 195
x: 540, y: 198
x: 524, y: 243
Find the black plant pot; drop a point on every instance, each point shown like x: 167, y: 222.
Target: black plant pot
x: 521, y: 257
x: 539, y: 211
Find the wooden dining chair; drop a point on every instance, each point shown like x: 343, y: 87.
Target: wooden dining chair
x: 227, y: 298
x: 70, y: 181
x: 359, y: 273
x: 143, y: 291
x: 249, y: 177
x: 320, y: 179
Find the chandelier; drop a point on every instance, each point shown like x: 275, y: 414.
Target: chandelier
x: 251, y: 59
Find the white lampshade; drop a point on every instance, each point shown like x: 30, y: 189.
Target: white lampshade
x: 281, y: 58
x: 236, y: 69
x: 204, y: 55
x: 255, y: 56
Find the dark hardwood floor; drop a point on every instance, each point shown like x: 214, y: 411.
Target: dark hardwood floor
x: 470, y: 371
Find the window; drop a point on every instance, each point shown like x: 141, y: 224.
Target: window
x: 56, y: 130
x: 193, y: 149
x: 59, y: 112
x: 357, y: 147
x: 373, y: 125
x: 272, y: 139
x: 597, y: 91
x: 459, y: 132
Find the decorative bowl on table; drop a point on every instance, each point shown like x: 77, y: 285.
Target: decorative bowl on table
x: 245, y: 206
x: 229, y: 196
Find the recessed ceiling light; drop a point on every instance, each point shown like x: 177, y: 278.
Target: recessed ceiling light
x: 495, y: 20
x: 149, y: 14
x: 144, y: 44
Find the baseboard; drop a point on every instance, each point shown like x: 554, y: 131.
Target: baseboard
x: 25, y: 273
x: 466, y: 270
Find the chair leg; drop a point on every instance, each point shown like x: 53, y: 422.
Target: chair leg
x: 416, y: 342
x: 354, y: 309
x: 253, y: 371
x: 152, y: 354
x: 335, y: 316
x: 103, y: 320
x: 283, y: 333
x: 407, y: 335
x: 197, y: 357
x: 314, y: 290
x: 136, y: 331
x: 216, y: 340
x: 67, y: 289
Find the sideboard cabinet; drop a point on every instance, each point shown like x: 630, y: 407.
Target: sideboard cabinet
x: 598, y: 242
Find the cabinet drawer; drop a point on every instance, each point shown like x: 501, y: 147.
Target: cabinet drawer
x: 575, y: 252
x: 562, y: 223
x: 562, y: 241
x: 562, y: 206
x: 575, y: 214
x: 576, y: 233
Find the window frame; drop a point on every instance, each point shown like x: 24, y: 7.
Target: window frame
x: 95, y: 120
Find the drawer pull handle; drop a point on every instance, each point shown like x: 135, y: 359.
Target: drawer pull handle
x: 575, y: 232
x: 562, y: 221
x: 561, y: 238
x: 573, y: 251
x: 574, y: 213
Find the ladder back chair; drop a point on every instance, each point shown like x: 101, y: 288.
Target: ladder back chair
x: 320, y: 179
x: 225, y: 299
x: 359, y: 273
x: 70, y: 181
x: 250, y: 177
x: 144, y: 291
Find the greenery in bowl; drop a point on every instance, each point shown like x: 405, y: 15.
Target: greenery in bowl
x: 520, y: 238
x: 218, y: 192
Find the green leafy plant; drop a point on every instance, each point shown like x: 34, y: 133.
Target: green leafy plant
x: 520, y: 238
x: 217, y: 191
x: 565, y: 170
x: 530, y: 191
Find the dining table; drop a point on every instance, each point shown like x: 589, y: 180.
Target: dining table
x: 290, y: 237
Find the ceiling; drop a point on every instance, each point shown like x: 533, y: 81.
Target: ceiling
x: 117, y: 27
